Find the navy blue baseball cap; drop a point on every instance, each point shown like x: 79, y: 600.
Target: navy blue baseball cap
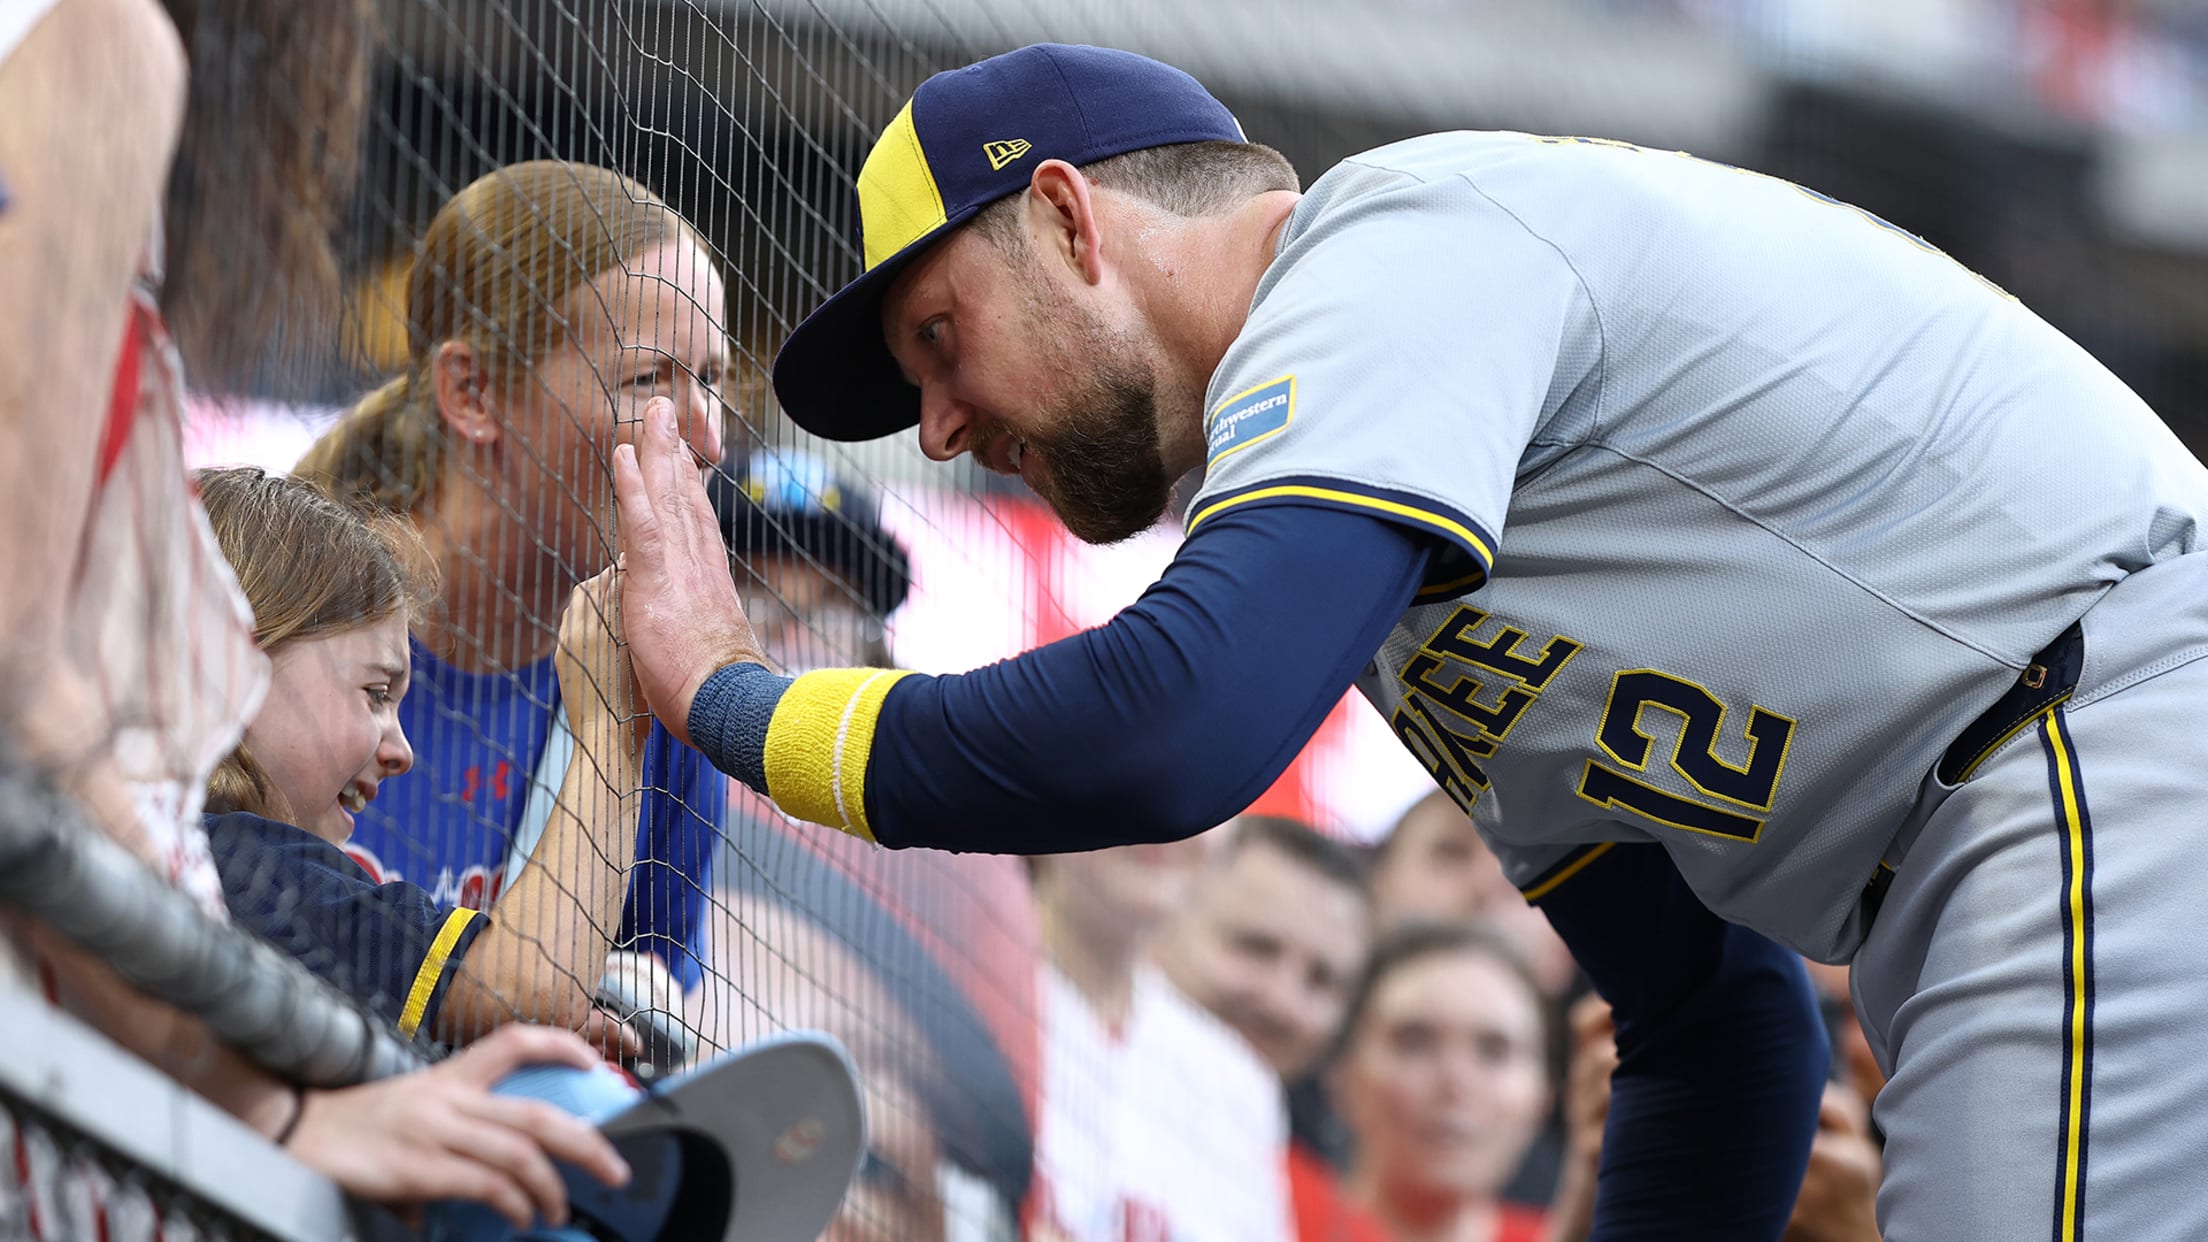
x: 791, y: 504
x: 968, y: 138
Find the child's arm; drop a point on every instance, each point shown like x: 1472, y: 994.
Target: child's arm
x: 544, y: 949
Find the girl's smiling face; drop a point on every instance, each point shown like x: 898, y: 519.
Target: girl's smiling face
x: 329, y: 731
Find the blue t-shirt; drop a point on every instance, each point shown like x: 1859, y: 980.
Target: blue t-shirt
x: 479, y: 752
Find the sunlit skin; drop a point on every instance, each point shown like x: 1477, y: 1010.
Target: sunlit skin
x: 524, y: 507
x: 328, y: 734
x: 1444, y: 1087
x: 1271, y: 946
x: 1011, y: 352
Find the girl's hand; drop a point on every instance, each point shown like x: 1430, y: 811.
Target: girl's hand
x: 597, y: 683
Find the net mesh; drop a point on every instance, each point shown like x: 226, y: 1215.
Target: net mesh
x: 563, y: 208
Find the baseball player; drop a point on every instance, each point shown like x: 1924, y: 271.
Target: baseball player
x: 1760, y: 579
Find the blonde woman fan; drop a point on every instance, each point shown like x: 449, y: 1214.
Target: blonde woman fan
x: 549, y: 301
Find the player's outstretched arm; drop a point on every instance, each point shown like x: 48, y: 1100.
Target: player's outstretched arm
x: 1722, y: 1056
x: 1158, y: 725
x: 1165, y: 721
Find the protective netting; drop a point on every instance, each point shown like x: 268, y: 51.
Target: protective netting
x: 566, y: 207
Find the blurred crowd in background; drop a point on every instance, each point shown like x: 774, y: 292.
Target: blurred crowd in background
x: 2134, y: 64
x: 1330, y: 1019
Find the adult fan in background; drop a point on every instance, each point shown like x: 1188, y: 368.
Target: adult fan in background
x: 1441, y: 1073
x: 1433, y: 867
x: 1158, y: 1122
x: 549, y: 302
x: 950, y: 941
x: 1744, y: 565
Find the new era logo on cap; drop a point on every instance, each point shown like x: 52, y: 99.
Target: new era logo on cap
x: 1002, y: 153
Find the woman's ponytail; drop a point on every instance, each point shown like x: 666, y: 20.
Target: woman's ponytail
x: 384, y: 451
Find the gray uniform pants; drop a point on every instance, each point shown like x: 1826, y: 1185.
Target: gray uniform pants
x: 2036, y: 981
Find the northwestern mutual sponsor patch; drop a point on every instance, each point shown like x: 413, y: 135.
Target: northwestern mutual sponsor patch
x: 1247, y: 417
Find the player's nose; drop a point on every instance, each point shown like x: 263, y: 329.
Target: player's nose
x: 946, y: 423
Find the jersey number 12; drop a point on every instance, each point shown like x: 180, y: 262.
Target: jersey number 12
x: 1732, y: 798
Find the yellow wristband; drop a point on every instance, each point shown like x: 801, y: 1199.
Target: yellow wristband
x: 819, y: 742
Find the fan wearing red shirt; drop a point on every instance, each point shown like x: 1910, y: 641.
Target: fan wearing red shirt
x: 1443, y: 1079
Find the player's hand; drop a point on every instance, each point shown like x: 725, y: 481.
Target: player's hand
x: 439, y: 1133
x: 679, y: 600
x: 1839, y: 1199
x: 597, y: 681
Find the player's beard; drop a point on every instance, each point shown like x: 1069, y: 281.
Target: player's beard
x: 1103, y: 471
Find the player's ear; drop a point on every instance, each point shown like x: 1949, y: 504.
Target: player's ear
x: 1067, y: 228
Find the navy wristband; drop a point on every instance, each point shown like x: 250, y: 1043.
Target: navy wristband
x: 729, y: 719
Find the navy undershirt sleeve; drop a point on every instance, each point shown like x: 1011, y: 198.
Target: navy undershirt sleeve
x: 1722, y: 1056
x: 1165, y: 721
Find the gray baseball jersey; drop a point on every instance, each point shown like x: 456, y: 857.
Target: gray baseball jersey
x: 1752, y: 501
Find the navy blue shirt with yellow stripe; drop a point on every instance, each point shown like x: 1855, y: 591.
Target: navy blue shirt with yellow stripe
x: 391, y: 947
